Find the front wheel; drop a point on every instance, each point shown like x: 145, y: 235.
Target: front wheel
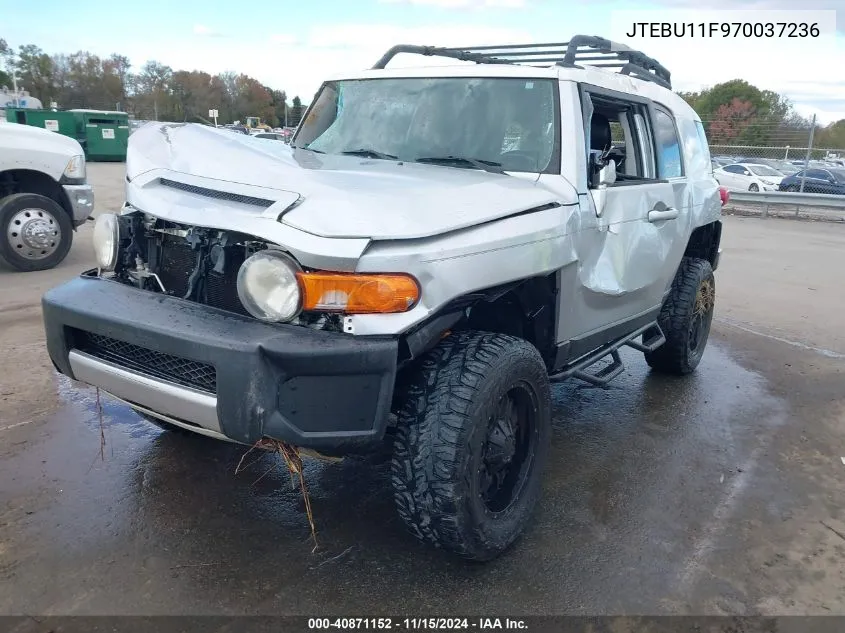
x: 686, y: 318
x: 35, y: 232
x: 754, y: 187
x: 472, y: 440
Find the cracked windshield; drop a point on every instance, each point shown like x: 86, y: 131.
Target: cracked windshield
x: 483, y: 123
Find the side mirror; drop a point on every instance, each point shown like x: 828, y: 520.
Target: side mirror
x: 602, y: 172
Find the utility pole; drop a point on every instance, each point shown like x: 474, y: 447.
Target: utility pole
x: 809, y: 152
x: 15, y: 85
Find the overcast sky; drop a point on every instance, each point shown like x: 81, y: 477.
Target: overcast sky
x: 294, y: 44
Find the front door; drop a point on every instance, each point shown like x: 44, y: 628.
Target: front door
x: 641, y: 218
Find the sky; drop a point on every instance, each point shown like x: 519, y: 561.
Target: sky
x: 294, y: 44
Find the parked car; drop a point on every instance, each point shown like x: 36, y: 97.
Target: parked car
x: 786, y: 168
x: 44, y: 196
x: 748, y: 177
x: 816, y: 181
x: 398, y: 277
x: 269, y: 135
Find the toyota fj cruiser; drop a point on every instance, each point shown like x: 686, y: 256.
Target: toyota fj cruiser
x: 435, y: 247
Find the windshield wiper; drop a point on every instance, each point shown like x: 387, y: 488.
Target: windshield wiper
x: 486, y: 165
x: 369, y: 153
x: 310, y: 149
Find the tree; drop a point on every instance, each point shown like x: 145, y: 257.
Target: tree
x: 116, y: 77
x: 149, y: 88
x: 35, y: 72
x: 6, y: 63
x: 296, y: 112
x: 832, y: 136
x: 732, y: 123
x: 279, y: 100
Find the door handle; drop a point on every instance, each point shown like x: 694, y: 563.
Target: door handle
x: 666, y: 214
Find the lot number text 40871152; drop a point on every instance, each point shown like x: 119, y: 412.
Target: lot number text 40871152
x: 417, y: 624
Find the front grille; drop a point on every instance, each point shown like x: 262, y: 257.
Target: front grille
x: 214, y: 193
x: 178, y: 262
x: 181, y: 371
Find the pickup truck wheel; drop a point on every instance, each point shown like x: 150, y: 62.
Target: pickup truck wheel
x: 686, y: 318
x: 471, y: 443
x: 35, y: 232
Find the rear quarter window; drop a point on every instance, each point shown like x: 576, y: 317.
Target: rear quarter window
x: 696, y: 149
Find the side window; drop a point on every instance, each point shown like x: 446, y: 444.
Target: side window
x: 619, y: 131
x: 735, y: 169
x: 696, y: 153
x: 668, y: 147
x: 817, y: 174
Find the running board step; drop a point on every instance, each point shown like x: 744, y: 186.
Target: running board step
x: 652, y: 339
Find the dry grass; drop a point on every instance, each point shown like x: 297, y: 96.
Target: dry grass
x: 292, y: 458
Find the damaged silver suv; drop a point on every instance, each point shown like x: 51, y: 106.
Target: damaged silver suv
x: 436, y: 247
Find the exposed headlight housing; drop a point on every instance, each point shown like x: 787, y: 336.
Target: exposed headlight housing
x: 268, y: 286
x: 106, y: 241
x: 75, y: 169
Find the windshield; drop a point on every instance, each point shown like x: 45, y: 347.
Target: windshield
x: 838, y: 174
x: 504, y: 122
x: 762, y: 170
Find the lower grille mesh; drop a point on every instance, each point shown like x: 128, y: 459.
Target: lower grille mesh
x: 181, y: 371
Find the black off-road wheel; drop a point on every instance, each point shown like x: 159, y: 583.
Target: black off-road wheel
x: 35, y: 232
x: 686, y: 318
x: 473, y: 435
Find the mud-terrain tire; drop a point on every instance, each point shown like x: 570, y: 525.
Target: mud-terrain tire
x: 686, y: 318
x: 475, y: 420
x: 35, y: 232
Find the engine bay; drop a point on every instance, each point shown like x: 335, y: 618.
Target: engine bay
x: 193, y: 263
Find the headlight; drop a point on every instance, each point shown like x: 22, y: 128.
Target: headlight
x: 75, y: 168
x: 268, y: 287
x: 106, y: 241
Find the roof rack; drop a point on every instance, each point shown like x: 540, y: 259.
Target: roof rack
x: 581, y: 49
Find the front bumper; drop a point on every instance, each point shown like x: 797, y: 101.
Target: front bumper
x: 81, y: 199
x: 314, y: 389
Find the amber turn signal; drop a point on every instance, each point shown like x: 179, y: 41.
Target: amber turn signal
x: 358, y: 293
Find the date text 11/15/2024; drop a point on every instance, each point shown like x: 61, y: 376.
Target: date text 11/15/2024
x: 724, y: 29
x: 417, y: 624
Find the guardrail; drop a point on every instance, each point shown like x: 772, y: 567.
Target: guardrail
x: 817, y: 205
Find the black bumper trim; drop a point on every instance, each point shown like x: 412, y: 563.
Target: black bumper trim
x: 315, y: 389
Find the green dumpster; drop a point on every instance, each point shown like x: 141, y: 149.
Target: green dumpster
x: 54, y: 120
x: 106, y: 134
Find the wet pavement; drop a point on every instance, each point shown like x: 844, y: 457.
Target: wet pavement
x: 721, y: 493
x: 651, y: 483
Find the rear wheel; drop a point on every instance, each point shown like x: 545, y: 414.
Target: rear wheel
x: 35, y: 232
x: 686, y: 318
x: 472, y: 441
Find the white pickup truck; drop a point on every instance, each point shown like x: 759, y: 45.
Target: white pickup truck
x: 44, y: 196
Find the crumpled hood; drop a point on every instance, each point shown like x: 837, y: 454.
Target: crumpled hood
x: 339, y: 196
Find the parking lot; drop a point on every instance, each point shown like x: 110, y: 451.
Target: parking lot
x: 723, y: 493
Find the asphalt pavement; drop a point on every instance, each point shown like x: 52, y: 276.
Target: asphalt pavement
x: 720, y: 493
